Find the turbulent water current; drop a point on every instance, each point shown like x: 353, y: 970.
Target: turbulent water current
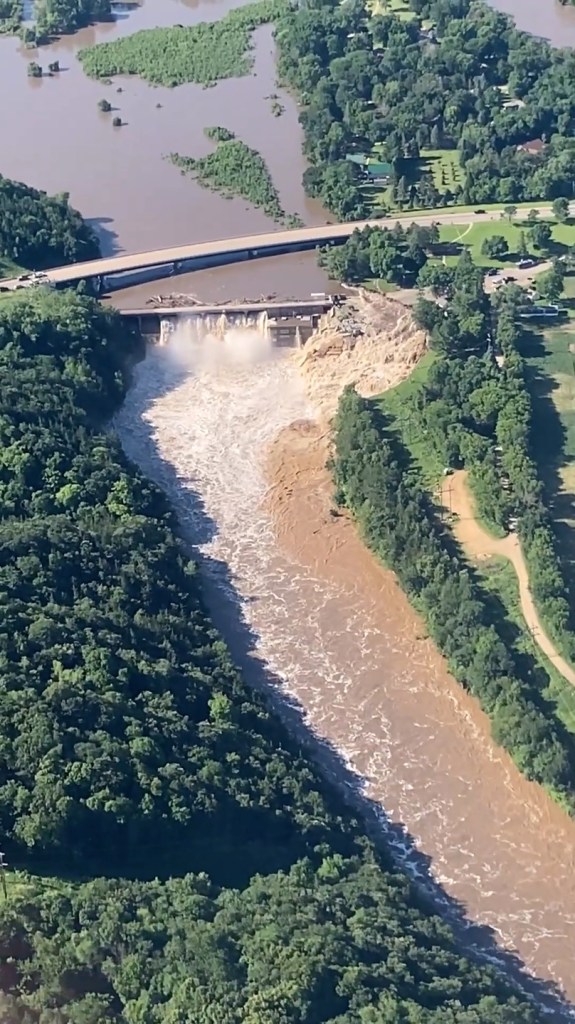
x: 333, y: 636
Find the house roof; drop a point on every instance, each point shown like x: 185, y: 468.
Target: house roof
x: 378, y: 169
x: 375, y: 168
x: 534, y: 146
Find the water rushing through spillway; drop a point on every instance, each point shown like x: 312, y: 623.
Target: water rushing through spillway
x: 333, y: 630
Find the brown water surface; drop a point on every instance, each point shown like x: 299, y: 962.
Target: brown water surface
x: 331, y: 625
x: 55, y: 138
x: 547, y: 18
x: 335, y: 632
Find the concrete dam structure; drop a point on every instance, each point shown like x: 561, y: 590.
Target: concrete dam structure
x: 288, y: 323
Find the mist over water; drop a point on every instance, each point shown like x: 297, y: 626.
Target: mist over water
x: 341, y: 639
x: 205, y: 346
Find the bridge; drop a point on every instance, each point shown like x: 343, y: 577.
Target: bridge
x: 179, y: 259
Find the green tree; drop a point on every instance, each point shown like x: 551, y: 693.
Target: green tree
x: 561, y: 210
x: 540, y: 235
x: 495, y: 247
x: 550, y: 284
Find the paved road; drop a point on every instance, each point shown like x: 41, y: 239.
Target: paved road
x: 264, y: 244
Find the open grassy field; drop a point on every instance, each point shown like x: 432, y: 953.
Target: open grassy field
x: 444, y: 167
x: 395, y: 404
x: 472, y: 237
x: 398, y: 7
x: 550, y: 359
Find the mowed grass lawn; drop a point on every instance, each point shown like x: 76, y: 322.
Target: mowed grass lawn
x: 400, y: 8
x: 499, y: 577
x: 550, y: 360
x: 473, y: 236
x: 444, y: 167
x: 395, y: 404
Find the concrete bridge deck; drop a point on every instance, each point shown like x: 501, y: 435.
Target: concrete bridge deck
x: 248, y: 246
x: 174, y: 259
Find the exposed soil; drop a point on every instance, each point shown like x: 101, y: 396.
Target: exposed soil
x: 480, y: 545
x: 371, y: 342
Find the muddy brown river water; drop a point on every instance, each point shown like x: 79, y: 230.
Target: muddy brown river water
x: 330, y: 627
x: 335, y: 633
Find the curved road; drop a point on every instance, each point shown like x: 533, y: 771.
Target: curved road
x: 479, y: 544
x: 261, y: 245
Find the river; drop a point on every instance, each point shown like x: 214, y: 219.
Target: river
x: 331, y: 628
x: 336, y: 634
x: 547, y: 18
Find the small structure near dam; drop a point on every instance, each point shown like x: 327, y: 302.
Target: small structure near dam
x: 288, y: 322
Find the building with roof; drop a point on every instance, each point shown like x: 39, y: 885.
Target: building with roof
x: 534, y: 147
x: 371, y: 167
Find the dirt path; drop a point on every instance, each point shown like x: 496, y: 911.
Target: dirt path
x: 479, y: 545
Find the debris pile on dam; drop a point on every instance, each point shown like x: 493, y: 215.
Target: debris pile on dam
x: 371, y: 342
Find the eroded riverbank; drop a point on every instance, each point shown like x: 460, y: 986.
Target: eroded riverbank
x: 331, y: 630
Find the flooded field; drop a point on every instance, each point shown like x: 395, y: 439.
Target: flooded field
x: 118, y: 178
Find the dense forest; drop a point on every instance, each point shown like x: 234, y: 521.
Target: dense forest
x: 39, y: 231
x: 201, y: 870
x: 457, y: 79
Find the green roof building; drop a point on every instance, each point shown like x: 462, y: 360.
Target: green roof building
x: 377, y: 170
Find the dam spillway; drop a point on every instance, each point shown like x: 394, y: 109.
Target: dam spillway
x: 287, y: 323
x: 287, y: 333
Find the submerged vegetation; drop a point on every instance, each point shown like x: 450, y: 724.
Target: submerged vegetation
x: 203, y: 53
x: 53, y: 17
x: 201, y: 868
x: 10, y: 16
x: 234, y: 169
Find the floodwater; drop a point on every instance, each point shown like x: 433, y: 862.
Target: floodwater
x: 547, y: 18
x: 337, y: 635
x: 55, y: 138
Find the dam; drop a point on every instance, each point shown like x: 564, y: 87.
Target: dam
x: 288, y: 323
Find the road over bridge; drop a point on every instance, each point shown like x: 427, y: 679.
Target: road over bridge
x: 178, y: 259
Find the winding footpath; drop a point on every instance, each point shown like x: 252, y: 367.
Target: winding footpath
x: 479, y: 544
